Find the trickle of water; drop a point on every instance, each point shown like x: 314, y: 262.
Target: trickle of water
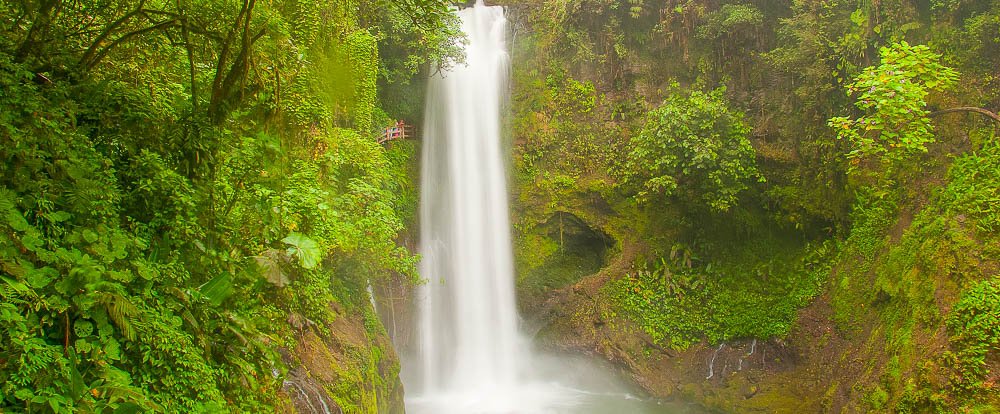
x: 711, y: 363
x: 308, y: 395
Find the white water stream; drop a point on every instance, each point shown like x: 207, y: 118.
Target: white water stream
x: 468, y: 325
x: 471, y: 357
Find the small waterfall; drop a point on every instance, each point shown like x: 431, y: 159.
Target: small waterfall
x: 371, y: 296
x: 468, y: 334
x: 308, y: 397
x: 753, y: 347
x: 711, y: 363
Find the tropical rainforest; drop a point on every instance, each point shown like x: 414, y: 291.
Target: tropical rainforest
x: 756, y: 206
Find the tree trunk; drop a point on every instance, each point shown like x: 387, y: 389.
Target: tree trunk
x: 39, y: 27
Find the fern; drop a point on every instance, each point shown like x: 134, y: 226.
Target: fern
x: 7, y: 200
x: 122, y: 312
x: 11, y: 288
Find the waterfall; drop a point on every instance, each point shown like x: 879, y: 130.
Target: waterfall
x: 469, y: 356
x: 468, y: 335
x: 711, y: 363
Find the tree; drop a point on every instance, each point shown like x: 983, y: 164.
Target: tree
x: 893, y: 96
x: 696, y: 146
x: 164, y: 161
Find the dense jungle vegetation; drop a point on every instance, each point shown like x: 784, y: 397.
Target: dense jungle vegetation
x: 181, y: 176
x: 749, y: 159
x: 186, y: 184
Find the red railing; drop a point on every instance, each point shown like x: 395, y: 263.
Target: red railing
x: 398, y: 131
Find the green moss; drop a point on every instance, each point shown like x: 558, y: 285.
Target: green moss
x: 361, y: 386
x: 873, y: 217
x: 557, y: 253
x: 876, y: 399
x: 533, y: 250
x: 937, y: 272
x: 826, y: 403
x: 362, y: 48
x: 679, y: 301
x: 974, y: 324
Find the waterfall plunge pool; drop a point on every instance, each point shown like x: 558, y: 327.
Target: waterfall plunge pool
x: 555, y: 384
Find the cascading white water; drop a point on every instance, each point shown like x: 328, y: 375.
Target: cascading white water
x: 469, y: 357
x: 468, y: 320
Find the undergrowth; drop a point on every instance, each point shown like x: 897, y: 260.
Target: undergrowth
x: 680, y: 301
x: 942, y: 270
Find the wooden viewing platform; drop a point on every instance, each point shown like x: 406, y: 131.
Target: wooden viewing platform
x: 399, y: 130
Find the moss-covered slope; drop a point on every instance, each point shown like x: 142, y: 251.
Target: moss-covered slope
x: 836, y: 284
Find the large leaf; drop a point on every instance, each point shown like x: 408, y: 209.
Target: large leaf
x: 128, y: 408
x: 270, y: 265
x: 218, y: 289
x: 304, y: 248
x: 76, y: 385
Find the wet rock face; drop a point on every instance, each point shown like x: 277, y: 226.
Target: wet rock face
x: 577, y: 237
x: 737, y: 376
x: 566, y: 249
x: 352, y: 369
x: 307, y: 395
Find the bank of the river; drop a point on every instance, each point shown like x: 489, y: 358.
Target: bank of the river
x: 849, y: 276
x: 890, y: 330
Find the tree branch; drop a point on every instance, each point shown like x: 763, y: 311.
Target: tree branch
x: 977, y: 110
x: 125, y: 37
x: 89, y: 54
x: 221, y: 65
x: 191, y: 67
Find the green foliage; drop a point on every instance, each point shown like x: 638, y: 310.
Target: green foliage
x: 893, y: 96
x: 163, y: 162
x: 571, y: 96
x: 913, y: 278
x: 729, y: 18
x: 414, y: 33
x: 681, y: 301
x: 877, y: 399
x: 302, y: 248
x: 905, y: 250
x: 972, y: 191
x: 694, y: 146
x: 873, y: 217
x: 974, y: 323
x: 363, y: 52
